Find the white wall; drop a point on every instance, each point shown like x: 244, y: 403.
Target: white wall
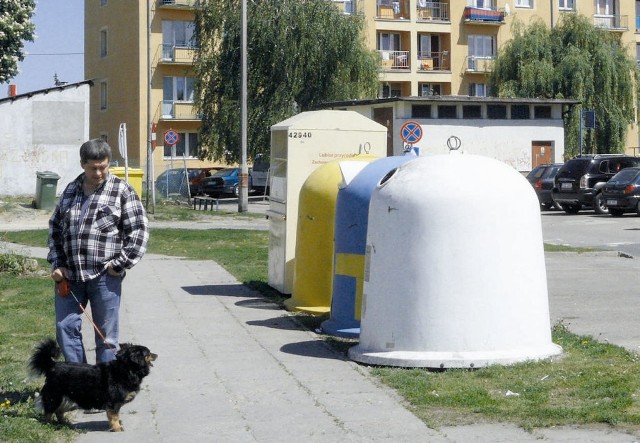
x: 508, y: 141
x: 42, y: 132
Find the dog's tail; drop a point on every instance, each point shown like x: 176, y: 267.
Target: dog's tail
x: 44, y: 358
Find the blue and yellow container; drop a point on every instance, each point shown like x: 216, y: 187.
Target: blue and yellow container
x: 352, y: 213
x: 313, y: 271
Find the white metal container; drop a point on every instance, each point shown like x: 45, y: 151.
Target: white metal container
x: 299, y: 145
x: 454, y: 268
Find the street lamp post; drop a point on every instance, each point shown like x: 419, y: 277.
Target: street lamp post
x: 243, y: 198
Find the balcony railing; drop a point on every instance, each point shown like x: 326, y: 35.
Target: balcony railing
x: 394, y: 59
x: 438, y: 11
x: 433, y: 61
x: 483, y: 15
x: 176, y: 3
x: 479, y: 63
x: 174, y: 110
x: 170, y: 53
x: 393, y: 9
x: 613, y: 22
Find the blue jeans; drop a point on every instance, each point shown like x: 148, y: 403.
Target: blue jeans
x: 103, y: 294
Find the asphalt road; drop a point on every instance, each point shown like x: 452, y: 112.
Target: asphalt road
x: 588, y: 229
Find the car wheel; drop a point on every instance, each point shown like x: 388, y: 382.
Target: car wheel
x: 616, y: 212
x: 599, y: 204
x: 570, y: 209
x: 638, y: 208
x: 236, y: 190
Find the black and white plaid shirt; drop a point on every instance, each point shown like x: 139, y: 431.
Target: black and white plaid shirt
x: 107, y: 227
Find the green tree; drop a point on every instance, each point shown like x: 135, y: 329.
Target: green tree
x: 300, y: 53
x: 578, y: 61
x: 15, y: 28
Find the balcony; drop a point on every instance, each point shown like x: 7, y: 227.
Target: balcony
x: 393, y: 10
x: 611, y: 22
x: 479, y: 64
x: 175, y: 54
x: 433, y: 61
x: 175, y: 110
x: 432, y: 11
x: 350, y: 7
x: 483, y: 16
x: 176, y: 4
x: 394, y: 60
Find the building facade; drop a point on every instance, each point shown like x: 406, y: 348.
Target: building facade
x: 42, y: 131
x: 140, y: 56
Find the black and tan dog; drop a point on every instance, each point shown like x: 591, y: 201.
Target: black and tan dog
x: 105, y: 386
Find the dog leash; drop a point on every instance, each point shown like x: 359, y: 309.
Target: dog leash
x: 63, y: 288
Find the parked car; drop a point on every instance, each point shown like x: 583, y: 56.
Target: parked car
x: 622, y: 192
x: 224, y: 181
x: 579, y: 182
x: 541, y: 178
x: 173, y: 181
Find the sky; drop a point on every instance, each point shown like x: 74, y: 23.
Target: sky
x: 58, y: 47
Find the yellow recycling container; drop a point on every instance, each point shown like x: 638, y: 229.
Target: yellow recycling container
x: 135, y: 177
x: 313, y: 269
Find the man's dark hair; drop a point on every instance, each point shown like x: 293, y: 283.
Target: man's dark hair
x: 94, y: 149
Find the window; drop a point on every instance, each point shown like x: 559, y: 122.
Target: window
x: 178, y: 33
x: 389, y: 41
x: 482, y: 46
x: 496, y: 112
x: 103, y: 43
x: 542, y: 112
x: 177, y: 89
x: 103, y: 2
x: 483, y: 4
x: 428, y: 43
x: 567, y: 4
x: 447, y: 111
x: 391, y: 90
x: 478, y: 90
x: 103, y: 95
x: 524, y: 3
x: 427, y: 89
x: 188, y: 146
x: 471, y: 111
x: 605, y: 7
x: 520, y: 112
x: 421, y: 111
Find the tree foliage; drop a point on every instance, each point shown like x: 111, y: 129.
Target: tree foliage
x: 15, y: 28
x: 578, y: 61
x: 300, y: 53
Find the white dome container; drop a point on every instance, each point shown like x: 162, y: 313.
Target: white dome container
x: 454, y: 269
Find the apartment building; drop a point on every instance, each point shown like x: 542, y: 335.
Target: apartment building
x: 140, y: 56
x: 447, y: 47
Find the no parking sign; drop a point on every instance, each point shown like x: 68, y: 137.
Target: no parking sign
x: 171, y: 137
x: 411, y: 132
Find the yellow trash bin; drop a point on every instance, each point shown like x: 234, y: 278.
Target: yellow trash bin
x: 135, y: 177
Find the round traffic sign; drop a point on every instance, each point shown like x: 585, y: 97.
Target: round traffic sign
x: 411, y: 132
x: 171, y: 137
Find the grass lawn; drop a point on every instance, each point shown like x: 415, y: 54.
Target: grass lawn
x: 593, y: 382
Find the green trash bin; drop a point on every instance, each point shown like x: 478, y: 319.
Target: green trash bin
x: 46, y: 185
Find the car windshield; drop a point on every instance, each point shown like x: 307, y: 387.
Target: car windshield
x: 626, y: 175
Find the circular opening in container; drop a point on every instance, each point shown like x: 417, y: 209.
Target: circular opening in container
x: 387, y: 177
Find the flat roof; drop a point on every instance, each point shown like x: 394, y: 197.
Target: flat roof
x: 451, y: 99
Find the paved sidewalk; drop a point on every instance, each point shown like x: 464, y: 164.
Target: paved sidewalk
x: 233, y: 367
